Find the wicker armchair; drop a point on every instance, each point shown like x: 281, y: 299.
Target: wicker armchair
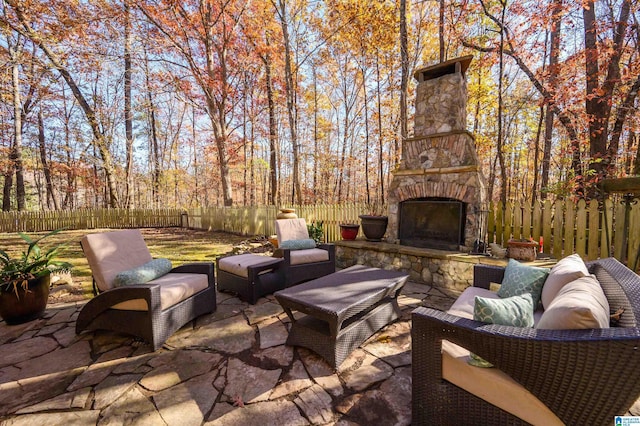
x: 153, y: 310
x: 582, y: 376
x: 302, y: 265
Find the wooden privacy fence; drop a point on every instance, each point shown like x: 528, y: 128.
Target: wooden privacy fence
x: 566, y: 227
x: 88, y: 219
x: 590, y: 229
x: 260, y: 220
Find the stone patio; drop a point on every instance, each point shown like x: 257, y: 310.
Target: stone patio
x: 227, y: 368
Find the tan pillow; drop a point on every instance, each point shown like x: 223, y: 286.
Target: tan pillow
x: 580, y: 304
x: 565, y: 271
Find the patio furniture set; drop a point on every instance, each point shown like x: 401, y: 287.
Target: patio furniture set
x: 581, y: 372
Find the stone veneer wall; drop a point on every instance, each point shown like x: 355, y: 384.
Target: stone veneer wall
x: 441, y: 105
x: 432, y: 267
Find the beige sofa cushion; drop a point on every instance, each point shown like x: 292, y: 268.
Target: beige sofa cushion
x: 291, y: 229
x: 109, y: 253
x: 465, y: 303
x: 494, y: 386
x: 565, y: 271
x: 299, y: 257
x: 174, y: 288
x: 237, y: 265
x: 578, y: 305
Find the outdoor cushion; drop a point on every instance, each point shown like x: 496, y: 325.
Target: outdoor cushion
x: 494, y: 386
x: 579, y: 304
x: 515, y: 311
x: 304, y: 244
x: 291, y: 229
x: 141, y: 274
x: 238, y: 264
x: 109, y: 253
x: 565, y: 271
x: 299, y: 257
x: 520, y: 278
x: 174, y: 288
x: 465, y: 303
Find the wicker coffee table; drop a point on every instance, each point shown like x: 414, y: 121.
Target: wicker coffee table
x: 342, y: 309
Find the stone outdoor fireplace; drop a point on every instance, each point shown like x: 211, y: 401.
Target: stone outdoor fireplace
x: 437, y: 198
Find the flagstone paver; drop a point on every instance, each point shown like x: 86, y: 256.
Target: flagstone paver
x: 230, y: 367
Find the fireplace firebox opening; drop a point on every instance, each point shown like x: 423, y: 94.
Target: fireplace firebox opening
x: 432, y: 222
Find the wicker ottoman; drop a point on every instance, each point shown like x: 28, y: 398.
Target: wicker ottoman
x: 250, y: 276
x: 342, y: 309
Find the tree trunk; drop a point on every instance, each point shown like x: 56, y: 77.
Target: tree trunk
x: 404, y: 64
x: 128, y: 118
x: 296, y: 196
x: 51, y: 198
x: 273, y: 164
x: 16, y: 152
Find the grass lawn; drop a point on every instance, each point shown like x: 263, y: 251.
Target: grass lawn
x: 176, y: 244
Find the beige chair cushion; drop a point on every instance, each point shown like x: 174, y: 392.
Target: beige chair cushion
x: 580, y: 304
x: 174, y: 288
x: 109, y: 253
x: 291, y: 229
x: 464, y: 304
x: 237, y: 265
x: 299, y: 257
x: 566, y: 270
x: 494, y: 386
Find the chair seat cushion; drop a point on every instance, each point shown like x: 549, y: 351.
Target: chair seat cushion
x: 300, y: 257
x: 174, y: 288
x: 237, y: 265
x: 494, y: 386
x: 465, y: 303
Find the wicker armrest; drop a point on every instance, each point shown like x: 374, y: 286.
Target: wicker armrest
x: 198, y: 268
x: 576, y: 373
x: 106, y: 300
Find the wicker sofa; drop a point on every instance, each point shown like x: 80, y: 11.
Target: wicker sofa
x: 578, y: 376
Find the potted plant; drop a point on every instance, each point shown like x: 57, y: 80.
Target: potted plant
x: 25, y: 280
x: 522, y: 249
x: 374, y: 225
x: 349, y: 231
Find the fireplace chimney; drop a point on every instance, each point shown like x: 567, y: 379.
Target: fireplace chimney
x: 437, y: 195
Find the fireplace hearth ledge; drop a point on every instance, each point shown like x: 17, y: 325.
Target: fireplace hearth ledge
x: 451, y: 270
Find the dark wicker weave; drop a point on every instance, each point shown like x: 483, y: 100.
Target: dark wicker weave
x: 585, y: 377
x: 342, y: 309
x: 155, y: 325
x: 257, y: 284
x: 296, y: 274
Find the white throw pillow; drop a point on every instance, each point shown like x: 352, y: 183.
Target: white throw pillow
x: 565, y: 271
x: 580, y: 304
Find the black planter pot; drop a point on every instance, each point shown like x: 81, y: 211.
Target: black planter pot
x: 374, y: 227
x: 27, y: 305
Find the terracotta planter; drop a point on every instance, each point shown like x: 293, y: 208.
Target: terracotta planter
x: 349, y: 231
x: 27, y: 305
x: 374, y: 227
x: 522, y: 249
